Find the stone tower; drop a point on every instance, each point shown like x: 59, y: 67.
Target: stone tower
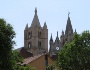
x: 68, y: 36
x: 56, y: 45
x: 36, y: 37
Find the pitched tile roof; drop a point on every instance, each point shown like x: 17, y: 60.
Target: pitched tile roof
x: 30, y: 59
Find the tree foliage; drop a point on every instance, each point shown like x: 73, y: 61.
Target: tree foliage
x: 50, y: 67
x: 18, y: 60
x: 6, y: 42
x: 9, y: 58
x: 76, y: 54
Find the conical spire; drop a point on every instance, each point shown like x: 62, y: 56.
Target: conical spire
x: 26, y: 26
x: 57, y: 33
x: 51, y: 35
x: 69, y: 25
x: 51, y: 39
x: 35, y: 22
x: 57, y: 38
x: 45, y: 26
x: 75, y: 31
x: 62, y: 32
x: 69, y: 21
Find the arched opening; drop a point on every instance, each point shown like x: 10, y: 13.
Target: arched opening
x: 29, y: 35
x: 39, y: 44
x: 29, y: 45
x: 39, y: 34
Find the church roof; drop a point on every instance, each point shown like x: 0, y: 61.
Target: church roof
x: 30, y: 59
x: 35, y: 22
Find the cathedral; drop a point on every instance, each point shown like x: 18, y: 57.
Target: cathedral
x: 36, y: 37
x: 65, y: 37
x: 35, y: 48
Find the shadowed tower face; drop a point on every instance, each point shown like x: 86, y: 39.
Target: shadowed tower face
x: 36, y: 37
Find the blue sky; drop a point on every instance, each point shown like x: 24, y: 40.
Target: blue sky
x: 55, y: 12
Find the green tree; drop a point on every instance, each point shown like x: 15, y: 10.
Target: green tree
x: 50, y: 67
x: 6, y: 42
x: 9, y: 59
x: 76, y: 54
x: 18, y: 60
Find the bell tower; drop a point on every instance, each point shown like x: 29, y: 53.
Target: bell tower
x: 69, y: 30
x: 36, y: 37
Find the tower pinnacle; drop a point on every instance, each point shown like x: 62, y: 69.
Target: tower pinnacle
x: 57, y: 33
x: 62, y: 32
x: 35, y: 10
x: 68, y: 14
x: 35, y: 21
x: 51, y: 35
x: 68, y: 25
x: 51, y: 39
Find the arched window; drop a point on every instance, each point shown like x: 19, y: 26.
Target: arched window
x: 39, y: 44
x: 29, y: 45
x: 39, y: 34
x: 29, y: 35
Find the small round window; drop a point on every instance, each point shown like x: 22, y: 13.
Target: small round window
x: 57, y: 48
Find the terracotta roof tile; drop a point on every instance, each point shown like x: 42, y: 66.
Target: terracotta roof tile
x: 30, y: 59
